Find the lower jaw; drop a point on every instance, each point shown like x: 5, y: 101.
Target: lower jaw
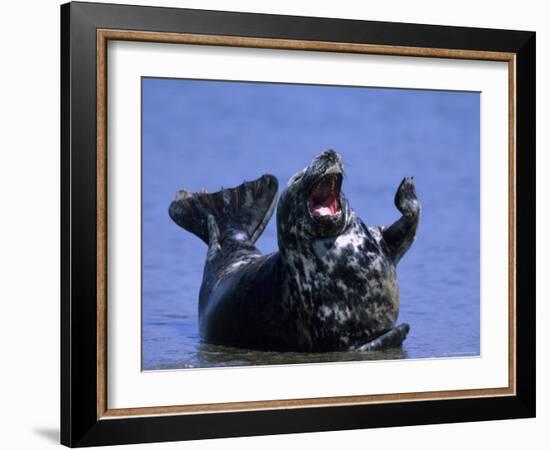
x: 328, y: 226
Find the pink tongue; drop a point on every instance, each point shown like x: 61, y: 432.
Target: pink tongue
x: 327, y: 207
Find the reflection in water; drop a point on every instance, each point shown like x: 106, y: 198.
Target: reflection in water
x: 209, y: 134
x: 210, y: 355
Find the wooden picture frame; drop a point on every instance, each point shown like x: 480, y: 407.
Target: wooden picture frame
x: 86, y: 418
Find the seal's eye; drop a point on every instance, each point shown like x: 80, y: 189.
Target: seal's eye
x: 323, y: 196
x: 296, y: 177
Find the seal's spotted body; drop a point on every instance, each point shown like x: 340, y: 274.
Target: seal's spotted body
x: 342, y: 290
x: 332, y: 285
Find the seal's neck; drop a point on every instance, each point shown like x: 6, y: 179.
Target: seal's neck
x: 304, y: 257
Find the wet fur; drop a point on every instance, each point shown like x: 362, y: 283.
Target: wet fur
x: 331, y: 286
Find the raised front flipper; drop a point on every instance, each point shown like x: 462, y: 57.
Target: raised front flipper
x: 400, y: 235
x: 390, y: 339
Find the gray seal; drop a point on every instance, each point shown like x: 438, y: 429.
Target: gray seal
x: 331, y: 286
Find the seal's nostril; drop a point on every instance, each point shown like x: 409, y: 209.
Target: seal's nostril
x: 329, y: 156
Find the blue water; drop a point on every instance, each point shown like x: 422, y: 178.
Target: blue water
x: 206, y: 134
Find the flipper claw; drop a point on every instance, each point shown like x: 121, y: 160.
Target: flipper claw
x: 390, y: 339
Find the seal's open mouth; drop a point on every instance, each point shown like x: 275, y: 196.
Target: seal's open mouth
x: 324, y: 196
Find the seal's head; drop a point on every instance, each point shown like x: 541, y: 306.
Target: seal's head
x: 313, y: 205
